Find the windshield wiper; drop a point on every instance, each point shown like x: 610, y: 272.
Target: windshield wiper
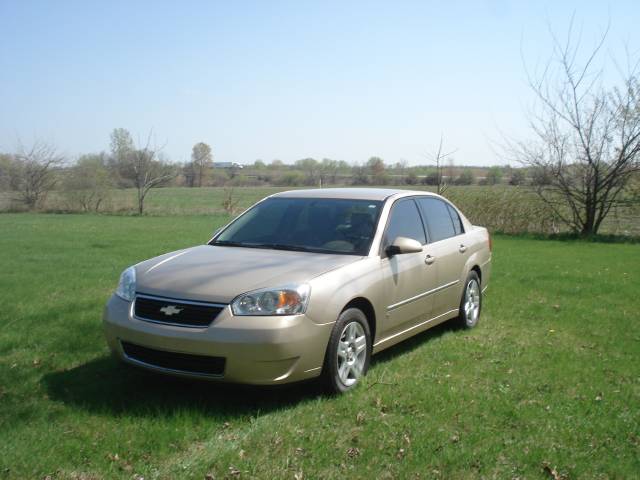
x: 228, y: 243
x: 272, y: 246
x: 283, y: 246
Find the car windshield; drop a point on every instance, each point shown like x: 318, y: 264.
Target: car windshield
x: 323, y: 225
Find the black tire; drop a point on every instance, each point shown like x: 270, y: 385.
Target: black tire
x: 357, y: 362
x: 472, y: 287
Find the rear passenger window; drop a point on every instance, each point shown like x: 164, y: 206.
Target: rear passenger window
x: 404, y: 221
x: 457, y: 222
x: 436, y: 214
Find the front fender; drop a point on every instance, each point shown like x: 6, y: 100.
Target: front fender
x: 332, y: 291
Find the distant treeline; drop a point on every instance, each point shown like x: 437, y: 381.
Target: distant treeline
x: 312, y: 172
x: 31, y: 173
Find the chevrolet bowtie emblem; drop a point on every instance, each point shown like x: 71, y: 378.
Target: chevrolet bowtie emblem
x: 170, y: 310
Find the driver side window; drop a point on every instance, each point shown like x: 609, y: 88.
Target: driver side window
x: 404, y: 221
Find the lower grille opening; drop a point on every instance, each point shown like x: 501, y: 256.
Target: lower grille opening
x: 198, y: 364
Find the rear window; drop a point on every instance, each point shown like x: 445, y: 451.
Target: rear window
x: 436, y: 214
x: 457, y: 222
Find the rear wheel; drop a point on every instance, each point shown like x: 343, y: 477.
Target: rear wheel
x: 471, y: 302
x: 349, y: 351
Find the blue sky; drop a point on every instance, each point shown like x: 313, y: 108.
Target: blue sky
x: 287, y: 80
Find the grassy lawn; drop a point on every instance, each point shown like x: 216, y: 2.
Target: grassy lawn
x: 551, y: 376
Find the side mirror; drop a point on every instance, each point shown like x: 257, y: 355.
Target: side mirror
x: 403, y: 245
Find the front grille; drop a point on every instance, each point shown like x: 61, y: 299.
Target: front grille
x: 183, y: 362
x: 176, y: 312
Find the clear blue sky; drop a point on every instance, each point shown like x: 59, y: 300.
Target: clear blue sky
x: 287, y: 80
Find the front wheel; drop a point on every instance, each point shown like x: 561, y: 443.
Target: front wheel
x: 349, y: 351
x: 471, y: 302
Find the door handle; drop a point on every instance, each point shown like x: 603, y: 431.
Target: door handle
x: 429, y: 259
x: 462, y: 248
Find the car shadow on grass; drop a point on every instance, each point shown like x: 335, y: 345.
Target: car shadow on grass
x: 104, y: 385
x: 410, y: 344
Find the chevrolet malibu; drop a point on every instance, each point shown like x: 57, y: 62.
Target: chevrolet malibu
x: 303, y: 284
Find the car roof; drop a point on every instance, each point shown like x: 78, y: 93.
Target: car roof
x: 380, y: 194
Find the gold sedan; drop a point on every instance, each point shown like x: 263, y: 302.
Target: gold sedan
x: 303, y: 284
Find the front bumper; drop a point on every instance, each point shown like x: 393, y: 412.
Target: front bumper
x: 257, y: 350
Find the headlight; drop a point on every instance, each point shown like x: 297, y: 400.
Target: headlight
x: 127, y: 285
x: 290, y: 300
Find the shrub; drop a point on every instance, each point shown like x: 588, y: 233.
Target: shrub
x: 465, y: 178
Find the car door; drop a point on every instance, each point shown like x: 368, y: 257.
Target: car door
x: 407, y: 277
x: 448, y: 248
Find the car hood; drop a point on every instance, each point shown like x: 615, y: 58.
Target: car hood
x: 219, y: 274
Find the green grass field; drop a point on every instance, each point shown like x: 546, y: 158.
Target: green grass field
x: 550, y: 379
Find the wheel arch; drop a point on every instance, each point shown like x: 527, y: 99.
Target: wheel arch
x: 363, y: 304
x: 476, y: 268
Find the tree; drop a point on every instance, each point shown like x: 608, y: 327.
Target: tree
x: 359, y: 175
x: 376, y: 166
x: 465, y: 178
x: 343, y: 167
x: 494, y: 176
x: 121, y: 143
x: 311, y: 169
x: 411, y: 178
x: 121, y: 146
x: 292, y: 179
x: 377, y: 170
x: 276, y: 164
x: 189, y: 173
x: 329, y: 170
x: 517, y: 177
x: 7, y: 170
x: 229, y: 202
x: 540, y: 177
x: 432, y: 178
x: 87, y: 185
x: 34, y: 175
x: 141, y: 167
x: 439, y: 158
x: 586, y: 136
x: 202, y: 160
x: 401, y: 166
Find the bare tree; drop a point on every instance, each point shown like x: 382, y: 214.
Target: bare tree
x: 202, y: 160
x: 142, y: 168
x: 440, y: 157
x: 34, y: 175
x: 189, y: 173
x: 586, y: 137
x: 229, y: 202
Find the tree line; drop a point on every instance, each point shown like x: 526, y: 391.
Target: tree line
x: 33, y: 172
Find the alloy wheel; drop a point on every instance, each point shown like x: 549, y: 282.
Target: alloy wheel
x: 472, y: 302
x: 352, y: 353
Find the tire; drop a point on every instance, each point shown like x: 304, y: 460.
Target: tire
x: 471, y: 302
x: 348, y: 352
